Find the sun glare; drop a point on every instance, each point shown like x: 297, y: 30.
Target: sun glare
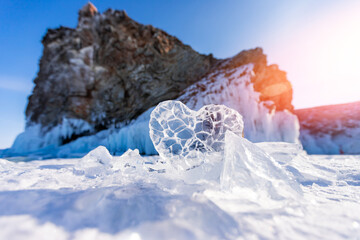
x: 322, y: 57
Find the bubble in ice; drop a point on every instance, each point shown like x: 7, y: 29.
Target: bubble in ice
x: 183, y: 136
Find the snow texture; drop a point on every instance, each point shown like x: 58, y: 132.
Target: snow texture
x: 248, y: 166
x: 185, y: 136
x: 52, y: 199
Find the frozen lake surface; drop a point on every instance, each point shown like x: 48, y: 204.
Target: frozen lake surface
x: 133, y: 197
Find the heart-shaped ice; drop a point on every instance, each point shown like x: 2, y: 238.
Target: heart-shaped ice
x: 183, y: 136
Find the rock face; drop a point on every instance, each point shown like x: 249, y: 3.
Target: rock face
x: 333, y: 129
x: 110, y: 69
x: 274, y: 88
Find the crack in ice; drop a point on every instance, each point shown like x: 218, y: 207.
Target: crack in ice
x: 183, y: 136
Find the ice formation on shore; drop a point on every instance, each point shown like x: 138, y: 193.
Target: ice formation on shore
x: 232, y: 88
x: 36, y: 139
x: 332, y: 129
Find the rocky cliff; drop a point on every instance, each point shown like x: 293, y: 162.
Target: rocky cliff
x: 110, y: 69
x: 333, y: 129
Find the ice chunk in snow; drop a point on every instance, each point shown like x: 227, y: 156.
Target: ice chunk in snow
x: 183, y: 135
x: 246, y: 166
x: 95, y: 163
x: 130, y: 162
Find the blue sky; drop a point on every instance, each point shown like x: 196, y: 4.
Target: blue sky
x: 319, y: 53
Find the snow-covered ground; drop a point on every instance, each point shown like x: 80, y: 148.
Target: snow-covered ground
x: 229, y: 196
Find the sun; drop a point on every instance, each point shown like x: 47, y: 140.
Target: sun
x: 322, y: 56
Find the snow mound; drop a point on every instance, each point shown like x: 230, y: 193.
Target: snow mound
x: 95, y: 163
x: 183, y: 135
x: 99, y: 162
x: 131, y: 163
